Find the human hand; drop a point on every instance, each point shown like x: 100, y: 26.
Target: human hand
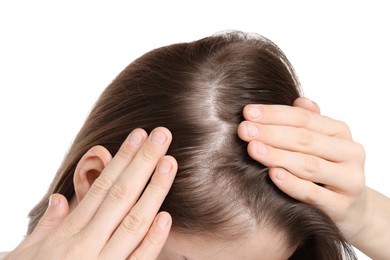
x: 303, y: 149
x: 116, y: 219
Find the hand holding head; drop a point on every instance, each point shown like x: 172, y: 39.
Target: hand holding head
x: 115, y: 205
x: 311, y: 157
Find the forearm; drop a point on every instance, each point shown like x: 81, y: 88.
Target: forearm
x: 373, y: 239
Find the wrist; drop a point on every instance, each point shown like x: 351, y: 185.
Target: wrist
x: 363, y: 225
x: 373, y: 236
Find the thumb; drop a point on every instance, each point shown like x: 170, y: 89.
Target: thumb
x: 57, y: 210
x: 307, y: 104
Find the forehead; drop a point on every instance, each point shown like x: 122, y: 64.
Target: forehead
x: 259, y: 245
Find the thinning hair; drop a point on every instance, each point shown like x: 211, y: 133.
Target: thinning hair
x: 198, y: 90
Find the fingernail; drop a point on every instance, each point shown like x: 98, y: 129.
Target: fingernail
x: 158, y: 137
x: 164, y: 167
x: 254, y: 113
x: 135, y: 137
x: 53, y: 201
x: 251, y: 130
x: 162, y: 221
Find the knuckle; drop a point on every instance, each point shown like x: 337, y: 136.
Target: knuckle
x: 124, y: 153
x: 132, y: 223
x: 360, y: 152
x: 344, y: 129
x: 134, y: 257
x: 70, y: 226
x: 101, y: 186
x: 46, y: 221
x: 75, y: 250
x: 153, y: 240
x: 304, y: 138
x: 149, y: 155
x: 157, y: 189
x: 345, y: 206
x: 310, y: 199
x: 311, y: 196
x: 357, y: 183
x: 311, y: 165
x: 119, y: 192
x: 361, y: 181
x: 274, y: 157
x: 303, y: 117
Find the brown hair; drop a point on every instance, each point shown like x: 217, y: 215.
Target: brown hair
x: 198, y: 90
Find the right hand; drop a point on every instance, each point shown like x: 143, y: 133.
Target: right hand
x: 116, y: 219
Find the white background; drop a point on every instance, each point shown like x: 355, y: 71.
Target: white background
x: 56, y: 58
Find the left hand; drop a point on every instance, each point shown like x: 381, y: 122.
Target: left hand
x: 302, y: 148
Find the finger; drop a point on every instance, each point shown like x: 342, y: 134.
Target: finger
x: 136, y: 224
x: 128, y: 187
x: 304, y: 166
x: 299, y: 140
x: 296, y: 117
x: 303, y: 190
x: 307, y: 104
x: 155, y: 239
x: 57, y: 210
x: 87, y: 207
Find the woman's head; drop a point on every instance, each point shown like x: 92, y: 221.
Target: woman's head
x: 198, y: 90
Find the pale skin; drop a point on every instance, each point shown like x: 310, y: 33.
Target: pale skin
x: 302, y: 148
x: 298, y: 144
x: 258, y: 244
x: 109, y: 222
